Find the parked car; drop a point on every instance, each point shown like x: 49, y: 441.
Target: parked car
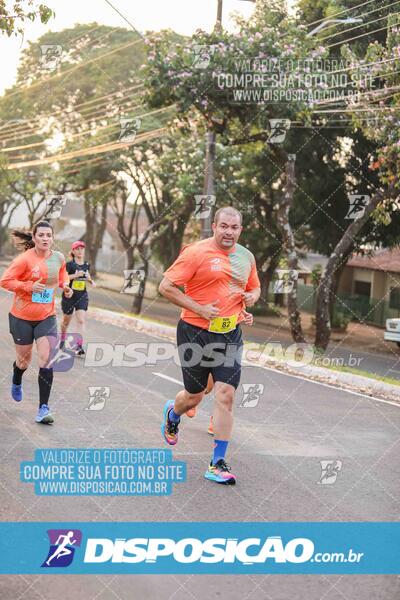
x: 392, y: 333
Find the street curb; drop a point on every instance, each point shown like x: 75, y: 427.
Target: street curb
x: 133, y: 323
x: 117, y: 291
x: 345, y: 381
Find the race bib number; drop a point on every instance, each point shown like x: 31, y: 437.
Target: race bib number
x: 223, y: 324
x: 44, y: 297
x: 78, y: 285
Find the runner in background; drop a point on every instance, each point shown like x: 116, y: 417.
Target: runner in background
x: 79, y: 275
x: 34, y: 276
x: 219, y: 278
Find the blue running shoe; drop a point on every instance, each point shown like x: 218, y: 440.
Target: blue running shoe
x: 169, y: 430
x: 44, y: 415
x: 16, y: 392
x: 220, y: 473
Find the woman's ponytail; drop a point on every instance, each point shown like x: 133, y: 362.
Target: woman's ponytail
x: 22, y: 239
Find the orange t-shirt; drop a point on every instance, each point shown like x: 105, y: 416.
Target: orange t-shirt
x: 20, y: 276
x: 208, y: 273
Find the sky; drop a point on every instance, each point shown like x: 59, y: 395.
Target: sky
x: 184, y: 16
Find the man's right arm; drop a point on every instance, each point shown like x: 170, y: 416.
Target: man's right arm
x: 170, y: 291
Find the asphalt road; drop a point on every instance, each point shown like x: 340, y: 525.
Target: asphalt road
x: 275, y: 453
x: 384, y: 364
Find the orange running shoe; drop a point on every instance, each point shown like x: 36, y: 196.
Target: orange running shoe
x: 191, y: 412
x: 210, y: 429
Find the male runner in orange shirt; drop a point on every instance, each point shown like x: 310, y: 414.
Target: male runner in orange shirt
x: 220, y: 279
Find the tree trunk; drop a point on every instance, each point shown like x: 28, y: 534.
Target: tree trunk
x: 338, y: 260
x: 335, y: 284
x: 266, y: 277
x: 129, y: 257
x: 290, y: 248
x: 169, y: 243
x: 3, y: 226
x: 94, y: 230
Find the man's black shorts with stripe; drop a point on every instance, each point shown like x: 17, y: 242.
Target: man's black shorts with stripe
x: 202, y: 352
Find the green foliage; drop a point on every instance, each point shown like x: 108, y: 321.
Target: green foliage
x: 12, y: 19
x: 316, y: 275
x: 196, y: 73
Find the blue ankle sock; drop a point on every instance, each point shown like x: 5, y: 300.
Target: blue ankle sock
x: 173, y: 417
x: 220, y: 447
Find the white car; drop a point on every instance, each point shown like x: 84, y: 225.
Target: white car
x: 392, y: 333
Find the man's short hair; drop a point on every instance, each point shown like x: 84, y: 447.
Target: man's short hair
x: 230, y: 210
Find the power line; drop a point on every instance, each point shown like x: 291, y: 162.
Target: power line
x: 327, y: 37
x: 71, y: 69
x: 125, y: 106
x: 342, y: 12
x: 76, y: 166
x: 361, y: 35
x: 124, y: 18
x: 99, y: 149
x: 61, y: 111
x: 92, y: 133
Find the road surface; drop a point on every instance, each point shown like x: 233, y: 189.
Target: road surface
x: 276, y: 452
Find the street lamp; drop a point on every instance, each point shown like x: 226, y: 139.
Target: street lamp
x: 209, y: 187
x: 322, y: 25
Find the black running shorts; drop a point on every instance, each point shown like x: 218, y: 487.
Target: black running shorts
x: 79, y: 301
x: 24, y: 332
x: 202, y: 352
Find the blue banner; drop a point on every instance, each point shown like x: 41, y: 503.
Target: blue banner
x: 200, y: 548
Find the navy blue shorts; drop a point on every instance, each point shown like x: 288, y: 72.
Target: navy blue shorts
x: 79, y: 301
x: 202, y: 353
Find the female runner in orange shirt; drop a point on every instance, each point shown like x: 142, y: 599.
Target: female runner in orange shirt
x: 33, y: 276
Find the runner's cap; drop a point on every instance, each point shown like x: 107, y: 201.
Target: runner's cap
x: 78, y: 244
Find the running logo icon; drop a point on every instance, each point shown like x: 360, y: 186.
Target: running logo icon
x: 329, y: 471
x: 357, y: 205
x: 129, y: 126
x: 204, y: 203
x: 251, y: 394
x: 63, y: 543
x: 285, y: 280
x: 50, y: 56
x: 203, y: 55
x: 278, y: 130
x: 97, y: 397
x: 61, y: 359
x: 132, y: 281
x: 54, y: 206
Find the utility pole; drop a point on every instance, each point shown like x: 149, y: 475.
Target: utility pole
x: 209, y: 173
x: 209, y: 185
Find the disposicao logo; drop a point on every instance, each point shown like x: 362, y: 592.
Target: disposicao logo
x: 248, y: 551
x: 62, y: 547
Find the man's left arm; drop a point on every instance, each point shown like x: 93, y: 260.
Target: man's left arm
x: 252, y: 290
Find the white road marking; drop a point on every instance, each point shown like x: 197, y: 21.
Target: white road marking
x: 168, y: 378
